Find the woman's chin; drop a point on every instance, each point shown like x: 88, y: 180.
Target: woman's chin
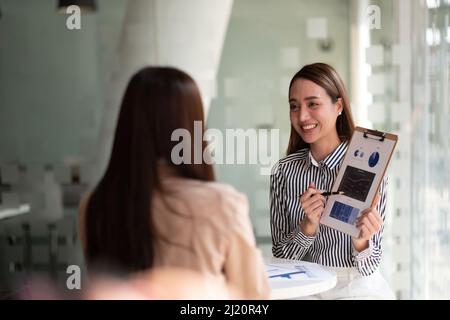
x: 309, y: 138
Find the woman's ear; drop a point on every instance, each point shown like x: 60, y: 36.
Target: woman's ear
x: 340, y: 105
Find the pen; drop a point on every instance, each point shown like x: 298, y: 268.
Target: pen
x: 330, y: 193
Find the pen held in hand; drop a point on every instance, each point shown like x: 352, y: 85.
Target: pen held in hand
x: 330, y: 193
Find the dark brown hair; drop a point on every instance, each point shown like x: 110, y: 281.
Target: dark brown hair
x: 119, y: 231
x: 325, y: 76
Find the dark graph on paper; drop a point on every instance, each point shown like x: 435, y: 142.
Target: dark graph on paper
x: 356, y: 183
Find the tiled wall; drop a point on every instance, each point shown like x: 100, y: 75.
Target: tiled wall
x: 52, y: 91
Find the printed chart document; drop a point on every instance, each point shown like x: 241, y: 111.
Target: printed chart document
x: 290, y: 279
x: 359, y: 177
x: 283, y: 272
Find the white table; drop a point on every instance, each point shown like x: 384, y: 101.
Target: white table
x: 290, y: 279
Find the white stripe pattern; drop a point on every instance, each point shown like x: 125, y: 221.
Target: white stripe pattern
x: 290, y: 178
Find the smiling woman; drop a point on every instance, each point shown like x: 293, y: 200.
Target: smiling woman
x: 311, y: 88
x: 321, y: 126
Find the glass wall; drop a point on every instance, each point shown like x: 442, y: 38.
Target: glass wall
x: 409, y: 81
x: 389, y: 59
x: 430, y: 136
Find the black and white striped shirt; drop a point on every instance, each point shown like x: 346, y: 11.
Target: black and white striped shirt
x: 290, y: 178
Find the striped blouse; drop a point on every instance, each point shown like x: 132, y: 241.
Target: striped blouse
x: 290, y: 178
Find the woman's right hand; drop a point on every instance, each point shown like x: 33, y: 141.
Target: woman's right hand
x: 313, y: 204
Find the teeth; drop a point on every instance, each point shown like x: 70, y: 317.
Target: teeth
x: 310, y: 126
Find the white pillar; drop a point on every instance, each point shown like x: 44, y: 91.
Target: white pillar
x: 184, y: 34
x: 360, y: 40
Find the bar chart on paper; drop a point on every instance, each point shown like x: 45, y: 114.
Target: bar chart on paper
x: 278, y: 272
x: 290, y: 279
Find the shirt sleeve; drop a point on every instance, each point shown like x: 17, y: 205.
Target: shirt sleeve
x: 287, y: 240
x: 245, y: 270
x: 244, y: 266
x: 368, y: 260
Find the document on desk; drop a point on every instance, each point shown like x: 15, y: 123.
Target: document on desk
x: 283, y: 272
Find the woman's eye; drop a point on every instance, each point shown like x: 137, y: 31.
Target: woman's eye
x: 313, y: 105
x: 293, y: 107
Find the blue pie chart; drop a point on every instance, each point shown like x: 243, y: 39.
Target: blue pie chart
x: 373, y: 159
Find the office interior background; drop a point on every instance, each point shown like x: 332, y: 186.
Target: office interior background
x: 60, y: 90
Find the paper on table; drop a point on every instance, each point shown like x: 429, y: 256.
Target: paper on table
x: 282, y: 272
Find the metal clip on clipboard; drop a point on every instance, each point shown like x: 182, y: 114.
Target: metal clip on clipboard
x: 370, y: 134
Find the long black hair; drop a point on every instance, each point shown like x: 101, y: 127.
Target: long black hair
x: 119, y: 230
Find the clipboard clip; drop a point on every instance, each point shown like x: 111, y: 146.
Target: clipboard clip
x: 370, y: 134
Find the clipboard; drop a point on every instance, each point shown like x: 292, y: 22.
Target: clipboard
x: 365, y: 162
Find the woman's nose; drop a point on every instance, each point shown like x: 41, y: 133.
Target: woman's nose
x: 304, y: 114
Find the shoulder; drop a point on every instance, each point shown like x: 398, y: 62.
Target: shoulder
x: 222, y: 196
x: 226, y: 193
x: 215, y: 203
x: 297, y: 158
x: 205, y: 194
x: 234, y: 205
x: 235, y: 211
x: 203, y: 190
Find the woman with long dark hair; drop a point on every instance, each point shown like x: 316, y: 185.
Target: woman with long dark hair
x: 321, y: 127
x: 148, y: 212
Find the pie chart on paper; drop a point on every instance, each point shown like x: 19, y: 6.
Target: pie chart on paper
x: 373, y: 159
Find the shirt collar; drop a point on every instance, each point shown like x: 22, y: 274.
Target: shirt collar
x: 333, y: 159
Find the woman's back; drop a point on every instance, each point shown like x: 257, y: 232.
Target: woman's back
x: 205, y: 226
x: 154, y: 205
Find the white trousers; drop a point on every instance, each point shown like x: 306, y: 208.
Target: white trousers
x: 352, y: 285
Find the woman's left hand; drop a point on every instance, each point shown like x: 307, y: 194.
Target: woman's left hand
x: 370, y: 221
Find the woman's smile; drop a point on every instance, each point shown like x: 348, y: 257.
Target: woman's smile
x: 308, y: 128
